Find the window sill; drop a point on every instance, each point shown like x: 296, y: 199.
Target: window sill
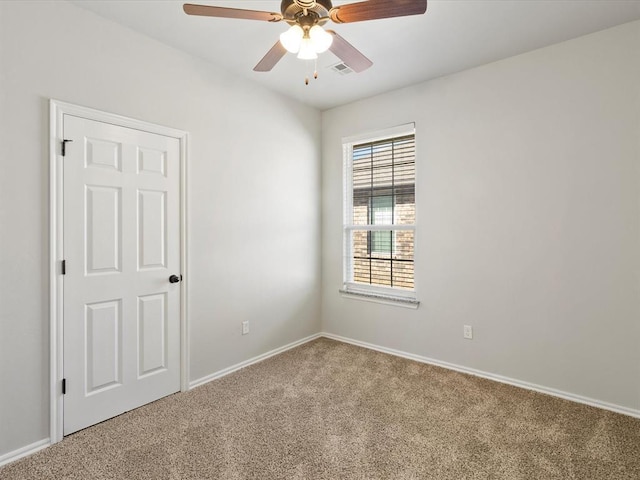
x: 380, y: 298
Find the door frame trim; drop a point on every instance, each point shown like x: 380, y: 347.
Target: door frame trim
x: 57, y: 110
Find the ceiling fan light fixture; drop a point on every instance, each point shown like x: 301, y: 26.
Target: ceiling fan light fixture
x: 291, y: 40
x: 320, y: 39
x: 307, y: 50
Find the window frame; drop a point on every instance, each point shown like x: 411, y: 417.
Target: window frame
x: 367, y: 291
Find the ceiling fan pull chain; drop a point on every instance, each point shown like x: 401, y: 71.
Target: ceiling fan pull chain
x: 315, y: 69
x: 307, y: 67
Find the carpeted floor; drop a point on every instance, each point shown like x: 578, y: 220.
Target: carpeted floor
x: 328, y: 410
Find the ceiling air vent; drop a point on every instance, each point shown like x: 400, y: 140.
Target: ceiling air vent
x: 341, y: 68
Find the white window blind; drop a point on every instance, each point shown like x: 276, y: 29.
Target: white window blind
x: 380, y: 214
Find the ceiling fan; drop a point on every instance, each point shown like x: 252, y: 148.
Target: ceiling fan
x: 306, y: 37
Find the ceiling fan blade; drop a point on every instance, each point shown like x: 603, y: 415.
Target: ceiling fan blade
x: 375, y: 9
x: 209, y: 11
x: 349, y: 54
x: 272, y: 57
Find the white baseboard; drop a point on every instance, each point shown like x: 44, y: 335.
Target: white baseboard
x: 491, y: 376
x: 251, y: 361
x: 24, y: 451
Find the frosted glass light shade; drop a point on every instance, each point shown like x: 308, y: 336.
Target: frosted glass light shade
x: 292, y: 38
x: 307, y: 52
x: 320, y: 39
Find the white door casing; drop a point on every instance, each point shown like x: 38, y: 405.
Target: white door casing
x: 120, y: 326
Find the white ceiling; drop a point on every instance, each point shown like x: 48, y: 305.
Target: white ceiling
x: 452, y: 36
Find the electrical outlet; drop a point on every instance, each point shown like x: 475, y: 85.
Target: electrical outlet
x: 468, y: 332
x: 245, y: 327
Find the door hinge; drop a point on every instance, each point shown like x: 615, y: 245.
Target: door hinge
x: 64, y: 146
x: 64, y: 267
x: 64, y: 386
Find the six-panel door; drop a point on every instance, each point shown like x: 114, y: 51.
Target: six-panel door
x: 121, y: 245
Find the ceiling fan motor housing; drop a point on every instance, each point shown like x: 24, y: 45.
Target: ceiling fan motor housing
x: 305, y: 3
x: 293, y: 11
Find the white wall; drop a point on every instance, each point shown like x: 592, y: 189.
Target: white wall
x: 528, y: 218
x: 254, y: 219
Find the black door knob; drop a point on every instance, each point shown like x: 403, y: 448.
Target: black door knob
x: 174, y: 279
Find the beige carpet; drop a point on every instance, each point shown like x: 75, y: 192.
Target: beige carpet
x: 328, y: 410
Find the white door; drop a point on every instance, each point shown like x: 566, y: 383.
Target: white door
x: 121, y: 245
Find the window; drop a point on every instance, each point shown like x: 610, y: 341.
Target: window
x: 380, y: 213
